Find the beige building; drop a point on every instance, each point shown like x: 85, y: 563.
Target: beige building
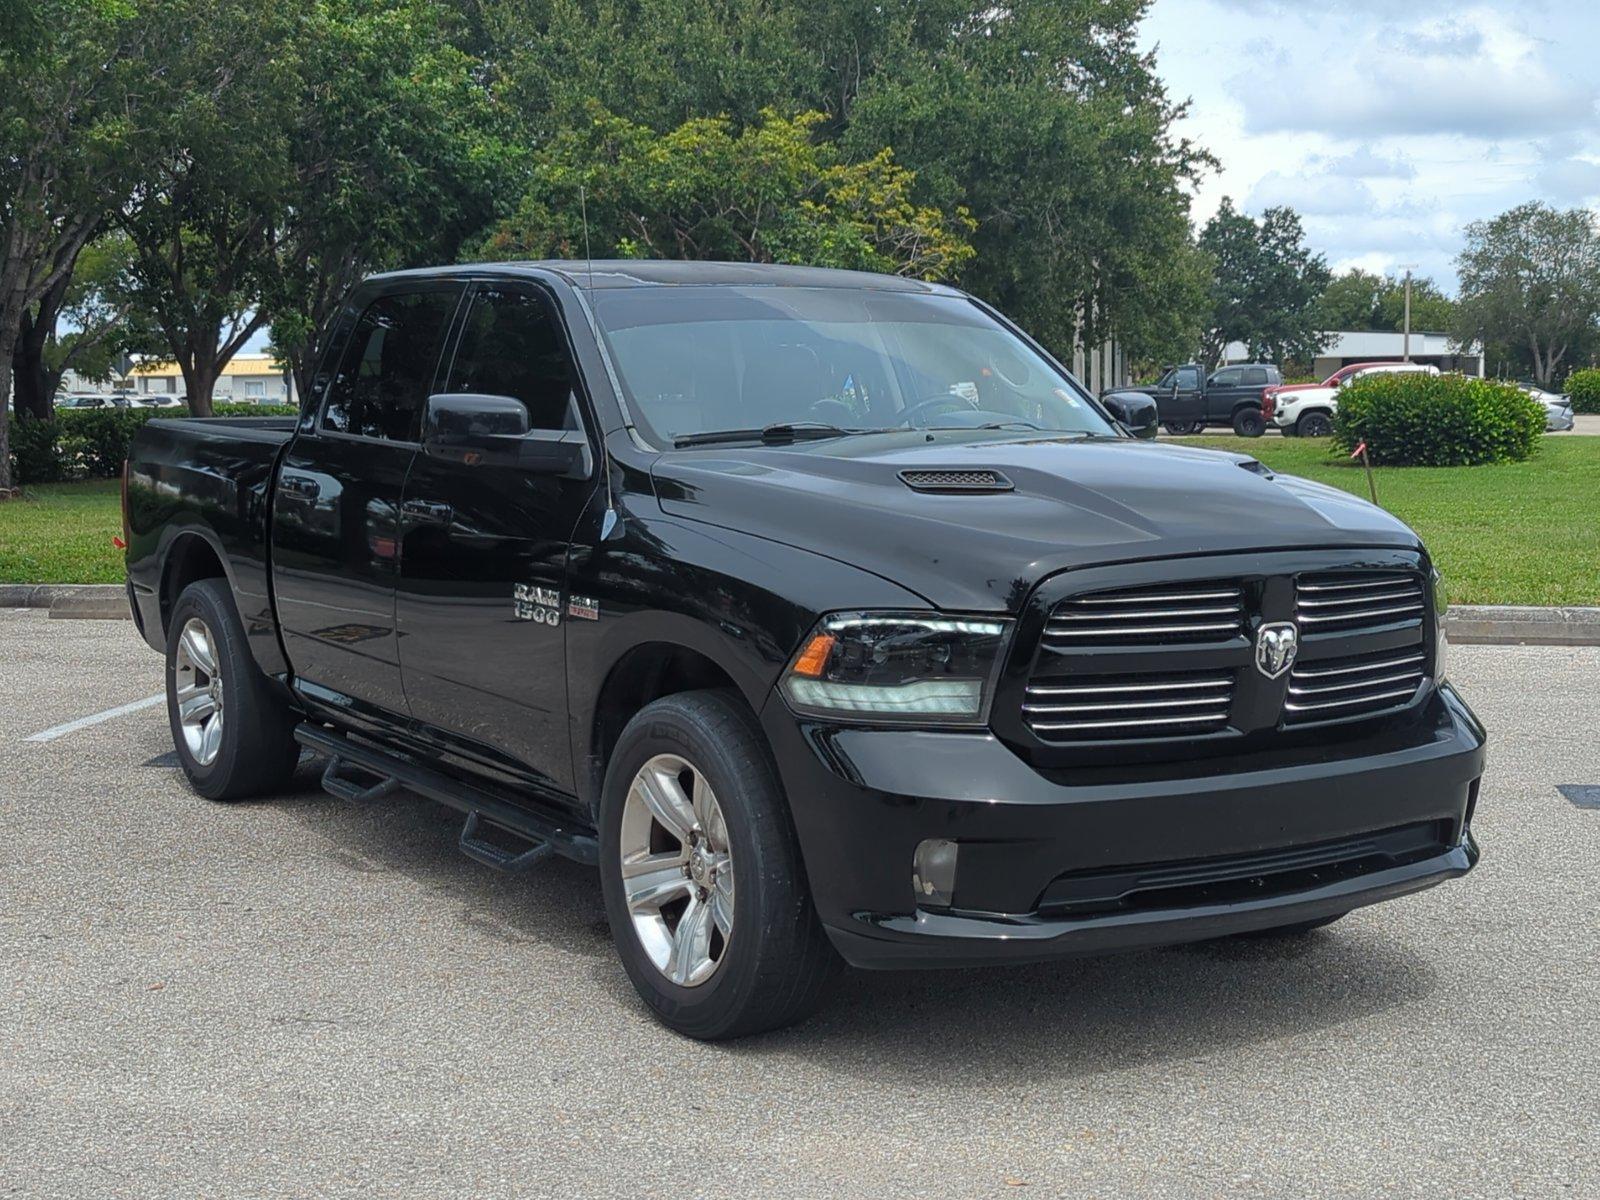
x: 247, y: 379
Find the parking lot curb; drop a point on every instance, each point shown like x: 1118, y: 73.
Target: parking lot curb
x: 1469, y: 624
x: 1514, y: 625
x: 96, y: 601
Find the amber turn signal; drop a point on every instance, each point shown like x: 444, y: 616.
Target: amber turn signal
x: 815, y: 656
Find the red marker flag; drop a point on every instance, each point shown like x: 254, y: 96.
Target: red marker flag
x: 1359, y: 450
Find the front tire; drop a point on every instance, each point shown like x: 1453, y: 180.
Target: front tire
x: 691, y: 804
x: 1248, y: 422
x: 234, y: 735
x: 1315, y: 425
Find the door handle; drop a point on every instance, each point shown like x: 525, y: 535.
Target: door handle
x: 429, y: 511
x: 299, y: 486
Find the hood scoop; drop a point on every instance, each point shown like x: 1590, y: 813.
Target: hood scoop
x: 955, y: 479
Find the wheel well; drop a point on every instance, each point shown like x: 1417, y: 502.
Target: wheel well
x: 1242, y: 404
x: 190, y: 558
x: 643, y: 674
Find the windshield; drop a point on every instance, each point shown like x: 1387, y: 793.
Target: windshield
x: 695, y: 360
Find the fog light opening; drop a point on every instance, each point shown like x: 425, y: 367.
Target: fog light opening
x: 933, y: 872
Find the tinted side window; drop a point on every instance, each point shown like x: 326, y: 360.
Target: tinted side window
x: 387, y: 367
x: 511, y: 347
x: 1255, y: 375
x: 1188, y: 378
x: 1225, y: 378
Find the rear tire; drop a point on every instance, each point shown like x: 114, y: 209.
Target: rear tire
x: 1314, y: 424
x: 1248, y: 422
x: 233, y: 733
x: 709, y: 962
x: 1181, y: 428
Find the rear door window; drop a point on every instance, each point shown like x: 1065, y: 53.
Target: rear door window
x: 1255, y: 375
x: 387, y: 368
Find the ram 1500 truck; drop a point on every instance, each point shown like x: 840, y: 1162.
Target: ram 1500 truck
x: 1189, y: 399
x: 824, y: 612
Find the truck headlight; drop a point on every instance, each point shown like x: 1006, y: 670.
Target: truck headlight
x: 906, y: 667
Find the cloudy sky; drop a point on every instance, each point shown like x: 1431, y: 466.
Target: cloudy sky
x: 1387, y: 124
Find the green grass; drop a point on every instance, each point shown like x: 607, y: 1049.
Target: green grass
x: 61, y: 533
x: 1518, y: 533
x: 1524, y: 533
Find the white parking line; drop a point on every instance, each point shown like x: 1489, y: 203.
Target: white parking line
x: 55, y: 731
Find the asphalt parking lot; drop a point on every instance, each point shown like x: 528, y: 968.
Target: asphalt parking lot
x: 305, y: 997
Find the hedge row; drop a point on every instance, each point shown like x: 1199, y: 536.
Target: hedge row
x: 1416, y: 420
x: 1583, y: 387
x: 91, y: 443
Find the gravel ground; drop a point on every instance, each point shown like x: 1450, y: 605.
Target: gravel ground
x: 303, y: 997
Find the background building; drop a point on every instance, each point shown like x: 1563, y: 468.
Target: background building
x: 247, y: 379
x: 1367, y: 345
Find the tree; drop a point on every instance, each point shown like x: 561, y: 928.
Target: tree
x: 1265, y: 288
x: 769, y: 193
x: 1362, y: 300
x: 1041, y: 119
x: 394, y: 158
x: 1530, y: 278
x: 92, y: 304
x: 204, y: 223
x: 82, y: 95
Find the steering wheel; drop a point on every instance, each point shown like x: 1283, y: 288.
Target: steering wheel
x: 944, y: 401
x: 832, y: 412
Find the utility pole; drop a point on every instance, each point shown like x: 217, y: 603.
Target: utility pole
x: 1405, y: 345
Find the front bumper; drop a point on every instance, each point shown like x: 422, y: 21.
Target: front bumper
x: 1162, y: 839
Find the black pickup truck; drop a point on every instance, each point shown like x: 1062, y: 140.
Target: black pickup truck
x: 1188, y: 399
x: 824, y: 612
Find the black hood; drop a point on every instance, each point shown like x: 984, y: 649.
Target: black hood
x: 1072, y: 504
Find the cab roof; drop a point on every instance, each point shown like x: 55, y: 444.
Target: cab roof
x: 604, y: 273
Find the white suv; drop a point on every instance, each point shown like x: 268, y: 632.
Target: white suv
x: 1306, y: 409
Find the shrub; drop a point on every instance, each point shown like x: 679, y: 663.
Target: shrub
x: 1417, y: 420
x: 90, y: 443
x: 1584, y: 389
x: 36, y: 452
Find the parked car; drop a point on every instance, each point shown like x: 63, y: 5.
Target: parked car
x: 824, y: 612
x: 1306, y: 409
x: 157, y: 400
x: 1188, y: 399
x: 86, y: 400
x: 1557, y: 407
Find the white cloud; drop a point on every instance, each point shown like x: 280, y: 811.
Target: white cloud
x: 1478, y: 77
x: 1389, y: 127
x: 1311, y: 194
x: 1366, y: 163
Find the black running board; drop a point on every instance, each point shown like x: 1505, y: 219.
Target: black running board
x: 357, y: 771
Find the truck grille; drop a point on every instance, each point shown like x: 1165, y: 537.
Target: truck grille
x: 1160, y: 615
x: 1353, y: 601
x: 1082, y: 708
x: 1346, y: 689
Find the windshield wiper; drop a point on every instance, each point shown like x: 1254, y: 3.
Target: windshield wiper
x: 772, y: 435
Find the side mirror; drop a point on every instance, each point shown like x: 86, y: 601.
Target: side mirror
x: 477, y: 430
x: 1134, y: 411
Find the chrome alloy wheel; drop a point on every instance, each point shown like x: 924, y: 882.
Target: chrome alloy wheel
x: 677, y: 870
x: 198, y: 683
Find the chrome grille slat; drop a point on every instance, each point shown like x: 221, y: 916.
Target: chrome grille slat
x: 1353, y: 688
x: 1354, y: 601
x: 1133, y: 724
x: 1207, y: 611
x: 1202, y: 702
x: 1120, y: 706
x: 1326, y: 704
x: 1045, y: 689
x: 1318, y: 673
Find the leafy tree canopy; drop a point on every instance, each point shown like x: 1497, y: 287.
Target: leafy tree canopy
x: 1530, y: 279
x: 1265, y: 287
x: 1361, y: 299
x: 771, y: 192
